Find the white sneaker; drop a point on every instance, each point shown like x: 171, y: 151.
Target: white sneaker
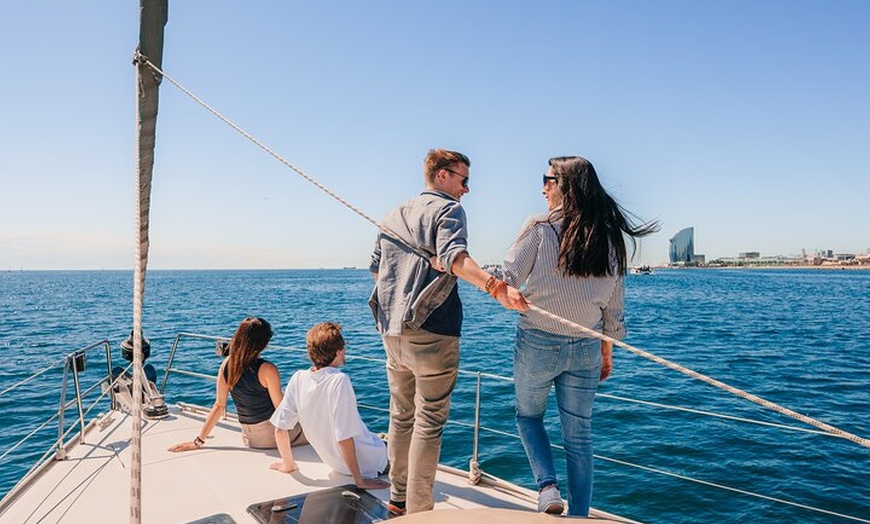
x: 550, y: 501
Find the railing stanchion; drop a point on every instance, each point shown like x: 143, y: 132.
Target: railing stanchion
x: 474, y: 466
x: 61, y: 452
x: 74, y: 359
x: 109, y: 380
x: 169, y: 363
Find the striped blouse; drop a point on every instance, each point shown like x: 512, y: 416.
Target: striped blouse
x: 531, y: 264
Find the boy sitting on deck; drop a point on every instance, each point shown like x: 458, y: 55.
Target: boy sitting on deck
x: 322, y: 401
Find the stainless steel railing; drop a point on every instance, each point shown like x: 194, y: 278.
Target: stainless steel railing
x: 73, y: 365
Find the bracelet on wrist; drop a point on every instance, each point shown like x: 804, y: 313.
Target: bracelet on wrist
x: 498, y: 286
x: 489, y: 282
x: 198, y: 442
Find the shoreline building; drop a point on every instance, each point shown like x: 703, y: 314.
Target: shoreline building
x: 682, y: 247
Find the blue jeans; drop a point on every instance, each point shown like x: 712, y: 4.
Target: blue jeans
x: 542, y: 359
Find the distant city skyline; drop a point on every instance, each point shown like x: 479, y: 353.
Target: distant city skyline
x: 681, y: 250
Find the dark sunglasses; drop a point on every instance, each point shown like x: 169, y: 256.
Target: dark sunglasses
x: 464, y: 178
x: 548, y: 177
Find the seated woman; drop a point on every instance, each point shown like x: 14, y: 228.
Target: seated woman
x: 255, y: 386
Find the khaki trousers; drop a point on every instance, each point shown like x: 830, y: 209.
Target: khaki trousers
x: 421, y: 370
x: 262, y: 435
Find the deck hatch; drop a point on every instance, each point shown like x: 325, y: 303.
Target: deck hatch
x: 340, y: 505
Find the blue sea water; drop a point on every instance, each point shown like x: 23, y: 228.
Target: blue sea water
x: 800, y: 338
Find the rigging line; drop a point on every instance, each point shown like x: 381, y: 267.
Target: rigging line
x: 144, y: 165
x: 392, y: 234
x: 17, y: 444
x: 74, y: 493
x: 620, y: 398
x: 714, y: 414
x: 727, y: 488
x: 748, y: 396
x: 617, y: 397
x: 604, y: 395
x: 692, y: 479
x: 54, y: 416
x: 709, y: 380
x: 31, y: 377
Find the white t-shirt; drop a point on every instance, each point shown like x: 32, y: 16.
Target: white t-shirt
x: 324, y: 404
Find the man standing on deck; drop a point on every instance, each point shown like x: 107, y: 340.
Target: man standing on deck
x: 419, y: 315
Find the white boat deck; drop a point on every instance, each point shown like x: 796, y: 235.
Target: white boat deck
x: 219, y: 481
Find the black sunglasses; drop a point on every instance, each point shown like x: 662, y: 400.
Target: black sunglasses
x: 548, y: 177
x: 464, y: 178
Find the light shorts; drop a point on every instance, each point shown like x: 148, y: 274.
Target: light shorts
x: 262, y: 435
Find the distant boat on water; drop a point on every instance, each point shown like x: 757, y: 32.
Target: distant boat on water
x: 643, y: 269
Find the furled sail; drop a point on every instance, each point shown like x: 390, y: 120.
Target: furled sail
x: 153, y: 15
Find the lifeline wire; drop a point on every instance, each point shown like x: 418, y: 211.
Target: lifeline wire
x: 712, y: 381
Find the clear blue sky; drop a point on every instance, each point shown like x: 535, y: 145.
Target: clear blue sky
x: 749, y: 120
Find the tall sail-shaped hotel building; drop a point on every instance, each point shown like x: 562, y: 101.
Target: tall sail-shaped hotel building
x: 682, y: 249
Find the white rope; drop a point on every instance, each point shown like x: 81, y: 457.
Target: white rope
x: 726, y: 488
x: 142, y: 213
x: 709, y: 380
x: 284, y: 161
x: 743, y: 394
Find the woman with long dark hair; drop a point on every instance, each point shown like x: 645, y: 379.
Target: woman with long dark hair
x: 254, y: 384
x: 570, y: 262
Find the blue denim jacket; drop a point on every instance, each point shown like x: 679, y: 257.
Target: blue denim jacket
x: 408, y: 289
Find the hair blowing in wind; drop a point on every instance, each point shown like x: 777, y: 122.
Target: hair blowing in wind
x: 593, y: 222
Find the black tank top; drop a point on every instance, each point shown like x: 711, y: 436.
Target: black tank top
x: 252, y: 400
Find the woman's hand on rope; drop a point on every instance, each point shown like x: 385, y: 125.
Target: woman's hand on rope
x: 511, y: 298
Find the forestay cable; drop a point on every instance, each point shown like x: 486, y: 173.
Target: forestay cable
x: 694, y: 374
